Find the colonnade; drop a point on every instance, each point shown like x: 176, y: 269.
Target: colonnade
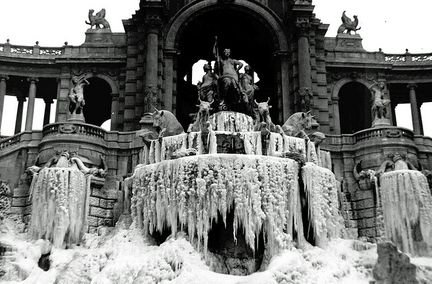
x: 31, y: 98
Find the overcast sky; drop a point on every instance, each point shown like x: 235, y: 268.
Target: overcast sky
x: 392, y: 25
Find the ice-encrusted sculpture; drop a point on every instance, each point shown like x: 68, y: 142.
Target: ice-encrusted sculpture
x: 407, y: 205
x: 59, y: 192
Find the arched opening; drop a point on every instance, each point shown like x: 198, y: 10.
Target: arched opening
x: 354, y: 108
x: 97, y: 96
x: 249, y: 38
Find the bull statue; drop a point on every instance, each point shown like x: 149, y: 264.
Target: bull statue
x: 167, y: 123
x: 297, y: 123
x: 262, y: 116
x: 201, y: 122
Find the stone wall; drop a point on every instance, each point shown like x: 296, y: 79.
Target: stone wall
x: 364, y: 212
x: 103, y: 198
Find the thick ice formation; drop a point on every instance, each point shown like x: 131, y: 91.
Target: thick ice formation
x: 407, y: 204
x: 252, y: 142
x: 322, y: 193
x: 172, y: 144
x: 294, y: 144
x: 278, y: 144
x: 59, y: 205
x: 324, y: 159
x: 231, y: 121
x: 192, y: 190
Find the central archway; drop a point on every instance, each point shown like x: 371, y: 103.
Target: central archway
x: 252, y: 33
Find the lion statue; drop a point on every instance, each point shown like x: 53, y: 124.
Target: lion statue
x: 97, y: 20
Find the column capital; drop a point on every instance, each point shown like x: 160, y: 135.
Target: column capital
x: 48, y: 100
x: 32, y: 80
x: 412, y: 86
x: 303, y: 26
x: 4, y: 77
x: 153, y: 23
x: 21, y: 98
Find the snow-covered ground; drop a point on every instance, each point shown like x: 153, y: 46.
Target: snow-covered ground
x: 123, y: 255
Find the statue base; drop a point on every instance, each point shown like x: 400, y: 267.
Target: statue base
x: 98, y: 37
x: 76, y: 118
x: 348, y: 42
x: 381, y: 122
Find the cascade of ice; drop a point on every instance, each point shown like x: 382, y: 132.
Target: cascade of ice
x: 407, y: 208
x: 294, y: 144
x: 311, y: 154
x: 59, y: 205
x: 322, y: 193
x: 171, y: 144
x: 276, y: 145
x: 324, y: 159
x: 262, y: 191
x: 252, y: 142
x: 231, y: 121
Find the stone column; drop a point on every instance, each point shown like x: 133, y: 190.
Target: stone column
x: 169, y: 95
x: 284, y: 82
x: 304, y: 66
x: 21, y: 99
x: 152, y: 55
x: 114, y: 111
x: 47, y: 112
x: 414, y: 109
x: 31, y: 104
x: 3, y: 79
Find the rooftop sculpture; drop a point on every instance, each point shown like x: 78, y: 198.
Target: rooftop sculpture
x: 348, y: 25
x: 97, y: 20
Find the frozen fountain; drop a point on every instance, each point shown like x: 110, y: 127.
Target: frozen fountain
x: 239, y: 176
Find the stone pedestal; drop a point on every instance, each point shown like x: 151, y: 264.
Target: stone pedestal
x: 98, y: 36
x: 76, y: 117
x: 381, y: 122
x: 347, y: 42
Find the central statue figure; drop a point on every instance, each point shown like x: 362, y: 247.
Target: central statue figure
x: 227, y: 69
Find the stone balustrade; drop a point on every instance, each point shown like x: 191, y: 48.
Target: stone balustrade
x: 11, y: 50
x: 74, y: 128
x: 367, y: 135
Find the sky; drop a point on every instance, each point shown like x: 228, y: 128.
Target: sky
x: 388, y: 24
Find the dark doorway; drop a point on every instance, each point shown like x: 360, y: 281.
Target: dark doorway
x: 354, y: 108
x: 97, y: 96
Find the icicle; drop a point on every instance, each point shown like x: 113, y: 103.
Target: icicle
x: 323, y: 158
x: 171, y: 144
x: 213, y: 143
x: 406, y: 202
x: 275, y: 147
x: 252, y: 142
x: 311, y: 155
x: 58, y: 205
x: 321, y: 190
x: 294, y: 145
x: 145, y: 159
x: 195, y: 189
x: 231, y: 122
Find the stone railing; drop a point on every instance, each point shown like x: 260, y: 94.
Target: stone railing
x: 409, y: 58
x: 116, y: 50
x: 74, y: 128
x: 367, y: 135
x: 8, y: 49
x: 9, y: 141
